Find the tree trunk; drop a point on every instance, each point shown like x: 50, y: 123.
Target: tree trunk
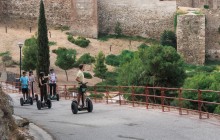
x: 66, y: 75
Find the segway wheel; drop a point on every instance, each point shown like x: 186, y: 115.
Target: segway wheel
x: 74, y: 107
x: 39, y: 105
x: 49, y: 103
x: 31, y: 101
x: 90, y: 106
x: 21, y: 101
x: 58, y: 97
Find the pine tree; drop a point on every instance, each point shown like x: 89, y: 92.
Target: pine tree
x: 100, y: 67
x: 43, y: 58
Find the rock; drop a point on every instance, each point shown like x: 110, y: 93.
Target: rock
x: 22, y: 122
x: 1, y: 113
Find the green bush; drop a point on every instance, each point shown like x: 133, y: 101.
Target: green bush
x: 5, y: 53
x: 6, y: 58
x: 168, y: 38
x: 118, y: 30
x: 71, y: 39
x: 87, y: 75
x: 82, y: 42
x: 217, y: 110
x: 143, y: 46
x: 51, y: 43
x: 85, y: 59
x: 206, y: 6
x: 98, y: 96
x: 112, y: 60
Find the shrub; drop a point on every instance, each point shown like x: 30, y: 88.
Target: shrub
x: 87, y: 75
x: 112, y: 60
x: 118, y: 30
x: 71, y: 39
x: 51, y: 43
x: 6, y: 58
x: 143, y: 46
x: 99, y: 96
x: 82, y: 42
x: 168, y: 38
x: 86, y: 59
x: 54, y: 51
x: 206, y: 6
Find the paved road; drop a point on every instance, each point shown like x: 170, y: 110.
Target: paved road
x: 111, y: 122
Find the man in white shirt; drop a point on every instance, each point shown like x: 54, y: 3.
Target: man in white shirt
x: 52, y: 82
x: 80, y: 79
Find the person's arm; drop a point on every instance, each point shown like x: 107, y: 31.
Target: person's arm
x: 40, y: 82
x: 77, y: 79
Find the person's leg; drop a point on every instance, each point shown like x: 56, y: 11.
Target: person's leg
x: 41, y: 94
x: 83, y: 97
x: 54, y: 89
x: 78, y: 96
x: 22, y: 90
x: 51, y: 86
x: 32, y: 89
x: 45, y: 93
x: 26, y: 91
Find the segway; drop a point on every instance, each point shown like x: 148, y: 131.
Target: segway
x: 54, y: 97
x: 87, y: 102
x: 47, y: 104
x: 27, y: 101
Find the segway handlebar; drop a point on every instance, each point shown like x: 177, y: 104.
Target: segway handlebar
x: 81, y: 83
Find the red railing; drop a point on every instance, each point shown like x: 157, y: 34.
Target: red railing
x: 138, y: 96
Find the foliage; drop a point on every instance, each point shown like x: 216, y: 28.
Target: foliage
x: 98, y: 96
x: 131, y: 73
x: 163, y: 66
x: 118, y: 29
x: 87, y: 75
x: 168, y: 38
x: 65, y: 59
x: 29, y: 59
x: 206, y: 6
x: 100, y: 67
x: 143, y: 46
x: 103, y: 37
x: 112, y: 60
x: 80, y: 41
x: 52, y: 43
x: 6, y: 57
x: 70, y: 38
x: 5, y: 53
x: 126, y: 56
x: 85, y: 59
x: 62, y: 27
x: 203, y: 81
x: 43, y: 57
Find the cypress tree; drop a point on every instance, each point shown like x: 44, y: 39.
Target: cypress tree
x: 100, y: 67
x: 43, y: 59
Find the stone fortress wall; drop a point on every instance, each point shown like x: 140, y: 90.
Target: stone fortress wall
x: 88, y: 17
x: 148, y: 18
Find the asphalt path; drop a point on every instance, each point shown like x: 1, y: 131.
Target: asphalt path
x: 114, y: 122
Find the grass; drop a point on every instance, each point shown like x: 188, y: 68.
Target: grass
x: 51, y: 43
x: 125, y: 37
x: 5, y: 53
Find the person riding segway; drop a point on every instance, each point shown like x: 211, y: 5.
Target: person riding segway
x: 44, y: 102
x: 75, y: 106
x: 52, y: 83
x: 24, y: 88
x: 31, y: 85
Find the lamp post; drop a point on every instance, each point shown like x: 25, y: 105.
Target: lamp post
x: 20, y: 45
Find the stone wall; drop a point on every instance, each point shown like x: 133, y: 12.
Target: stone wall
x: 191, y: 38
x: 213, y: 4
x: 148, y: 18
x: 212, y: 34
x: 80, y: 15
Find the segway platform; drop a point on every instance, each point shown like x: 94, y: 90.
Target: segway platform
x: 47, y: 104
x: 28, y: 101
x: 55, y: 97
x: 88, y: 107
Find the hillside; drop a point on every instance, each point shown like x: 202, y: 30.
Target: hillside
x: 9, y: 40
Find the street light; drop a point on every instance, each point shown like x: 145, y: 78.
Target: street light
x: 20, y: 45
